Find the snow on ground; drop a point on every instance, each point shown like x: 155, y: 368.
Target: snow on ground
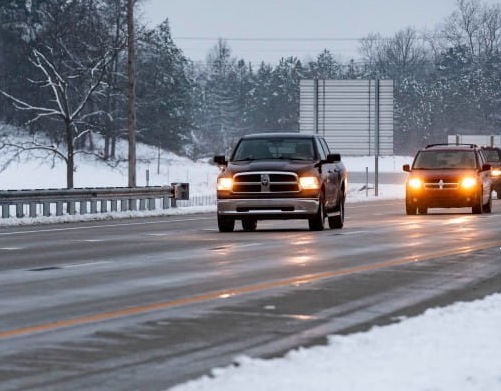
x: 453, y: 348
x: 29, y: 172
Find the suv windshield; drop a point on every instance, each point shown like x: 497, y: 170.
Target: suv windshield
x: 275, y: 148
x: 431, y: 160
x: 492, y: 155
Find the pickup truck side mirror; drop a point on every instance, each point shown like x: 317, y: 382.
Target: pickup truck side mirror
x: 486, y: 167
x: 333, y: 158
x: 221, y: 160
x: 406, y: 168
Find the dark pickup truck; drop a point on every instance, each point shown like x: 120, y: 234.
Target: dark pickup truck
x: 281, y: 176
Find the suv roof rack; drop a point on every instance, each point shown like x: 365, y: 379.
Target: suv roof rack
x: 451, y: 145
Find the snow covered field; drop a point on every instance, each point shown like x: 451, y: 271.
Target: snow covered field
x: 30, y: 172
x: 456, y: 348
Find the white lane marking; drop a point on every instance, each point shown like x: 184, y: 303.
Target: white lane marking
x: 102, y: 226
x: 10, y: 248
x: 369, y: 206
x: 164, y: 234
x: 92, y: 240
x: 83, y: 264
x: 353, y: 232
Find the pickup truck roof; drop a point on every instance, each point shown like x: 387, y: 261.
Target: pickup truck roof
x: 278, y: 135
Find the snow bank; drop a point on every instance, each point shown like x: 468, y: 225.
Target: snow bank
x: 453, y: 348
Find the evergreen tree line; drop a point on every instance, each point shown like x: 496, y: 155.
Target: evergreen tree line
x: 447, y: 81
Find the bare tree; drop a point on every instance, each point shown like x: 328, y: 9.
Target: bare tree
x: 67, y: 106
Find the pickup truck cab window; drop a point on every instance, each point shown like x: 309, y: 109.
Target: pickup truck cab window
x: 279, y: 148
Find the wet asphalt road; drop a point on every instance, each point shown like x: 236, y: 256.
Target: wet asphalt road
x: 148, y: 303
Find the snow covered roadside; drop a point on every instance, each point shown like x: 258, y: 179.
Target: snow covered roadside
x: 452, y: 348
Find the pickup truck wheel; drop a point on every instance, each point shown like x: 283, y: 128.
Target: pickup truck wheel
x: 317, y: 222
x: 477, y: 209
x: 225, y: 224
x: 487, y: 208
x: 337, y: 222
x: 249, y: 224
x: 498, y: 194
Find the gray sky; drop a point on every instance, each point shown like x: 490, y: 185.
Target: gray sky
x: 254, y: 19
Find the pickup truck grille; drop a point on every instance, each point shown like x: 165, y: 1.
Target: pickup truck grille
x: 265, y: 182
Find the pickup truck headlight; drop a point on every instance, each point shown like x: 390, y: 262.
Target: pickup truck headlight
x: 309, y: 183
x: 225, y: 184
x: 415, y: 183
x: 468, y: 183
x: 496, y: 172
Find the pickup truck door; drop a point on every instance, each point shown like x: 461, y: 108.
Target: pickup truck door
x: 330, y: 175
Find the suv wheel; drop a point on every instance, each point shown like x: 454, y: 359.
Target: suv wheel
x: 336, y: 222
x: 225, y: 224
x: 487, y: 208
x: 410, y: 209
x: 249, y: 224
x: 477, y: 209
x: 317, y: 222
x: 423, y: 210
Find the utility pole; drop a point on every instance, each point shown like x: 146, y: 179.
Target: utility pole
x: 132, y: 94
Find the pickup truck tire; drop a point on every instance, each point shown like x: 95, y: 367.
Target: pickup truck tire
x: 337, y: 222
x: 487, y: 208
x: 249, y: 224
x: 317, y: 222
x: 225, y: 224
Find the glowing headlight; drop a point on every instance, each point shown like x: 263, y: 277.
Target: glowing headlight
x: 468, y: 183
x: 415, y: 183
x: 309, y: 183
x: 496, y: 172
x: 225, y: 184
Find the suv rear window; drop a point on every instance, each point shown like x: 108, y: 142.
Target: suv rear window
x: 275, y: 148
x: 431, y: 160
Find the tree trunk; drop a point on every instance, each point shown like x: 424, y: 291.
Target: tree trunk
x: 132, y: 94
x: 70, y: 163
x: 106, y: 152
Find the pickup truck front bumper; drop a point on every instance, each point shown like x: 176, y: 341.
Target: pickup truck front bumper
x: 270, y: 208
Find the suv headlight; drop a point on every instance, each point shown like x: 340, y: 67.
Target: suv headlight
x: 309, y: 183
x: 415, y: 183
x: 225, y: 184
x: 468, y: 183
x: 496, y: 172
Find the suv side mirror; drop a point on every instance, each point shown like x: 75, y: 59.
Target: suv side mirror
x: 406, y: 168
x: 221, y: 160
x: 333, y: 158
x: 486, y: 167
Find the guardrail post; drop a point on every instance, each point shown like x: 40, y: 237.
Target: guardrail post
x: 59, y: 208
x: 142, y: 204
x: 104, y: 206
x: 33, y: 209
x: 114, y: 205
x: 93, y: 206
x: 19, y: 210
x: 71, y: 207
x: 83, y: 207
x: 5, y: 211
x: 165, y: 203
x: 173, y: 203
x: 124, y: 205
x: 151, y: 204
x: 132, y: 204
x: 46, y: 209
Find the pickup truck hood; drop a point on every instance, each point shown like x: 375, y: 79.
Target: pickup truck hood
x: 297, y: 166
x: 448, y: 176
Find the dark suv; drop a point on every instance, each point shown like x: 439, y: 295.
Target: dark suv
x: 281, y: 176
x: 449, y: 176
x: 493, y: 157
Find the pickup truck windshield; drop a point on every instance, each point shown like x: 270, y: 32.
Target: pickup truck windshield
x: 432, y: 160
x: 274, y: 148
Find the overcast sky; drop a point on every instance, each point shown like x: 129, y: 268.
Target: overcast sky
x: 196, y: 24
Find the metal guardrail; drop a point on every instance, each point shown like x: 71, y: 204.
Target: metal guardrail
x: 90, y: 200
